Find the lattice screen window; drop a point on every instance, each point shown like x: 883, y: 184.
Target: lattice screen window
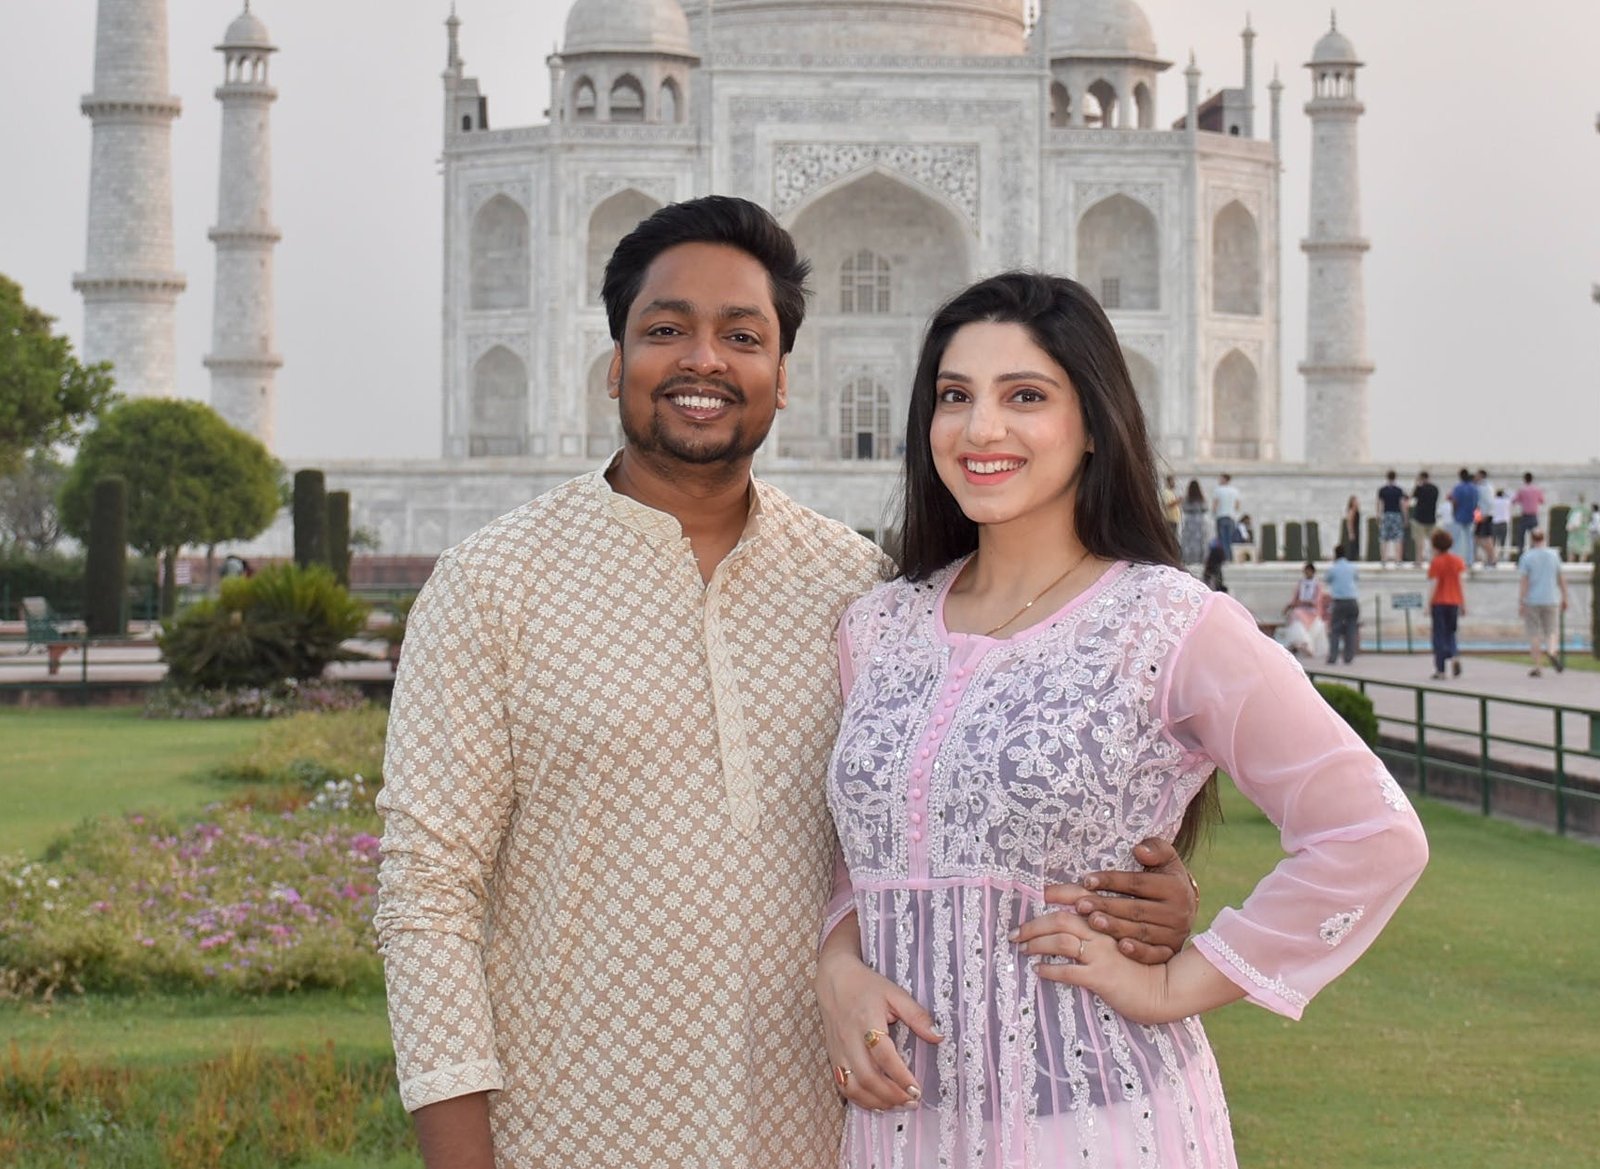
x: 864, y: 420
x: 864, y: 284
x: 1110, y: 292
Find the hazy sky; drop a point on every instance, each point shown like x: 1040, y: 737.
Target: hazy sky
x: 1479, y: 156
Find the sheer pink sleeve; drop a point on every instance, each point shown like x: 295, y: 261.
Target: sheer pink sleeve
x: 1355, y: 845
x: 841, y: 903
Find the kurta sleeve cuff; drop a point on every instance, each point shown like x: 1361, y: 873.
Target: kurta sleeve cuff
x: 1274, y: 994
x: 481, y: 1075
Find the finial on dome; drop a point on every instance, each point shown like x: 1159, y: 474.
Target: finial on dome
x: 1333, y: 19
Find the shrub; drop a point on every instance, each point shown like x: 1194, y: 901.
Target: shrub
x: 310, y: 518
x: 1354, y: 707
x: 284, y: 622
x: 106, y: 566
x: 315, y: 748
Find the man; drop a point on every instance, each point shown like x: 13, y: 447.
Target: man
x: 1541, y: 597
x: 1529, y: 498
x: 1225, y: 503
x: 1344, y: 590
x: 1463, y: 515
x: 1424, y: 515
x: 607, y: 849
x: 1391, y: 521
x: 1484, y: 527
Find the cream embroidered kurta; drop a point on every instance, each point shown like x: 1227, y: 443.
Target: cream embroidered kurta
x: 607, y: 845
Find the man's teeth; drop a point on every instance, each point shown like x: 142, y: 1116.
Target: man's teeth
x: 695, y: 402
x: 992, y: 466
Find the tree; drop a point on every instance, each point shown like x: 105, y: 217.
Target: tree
x: 46, y: 395
x: 192, y: 479
x: 105, y: 568
x: 29, y: 518
x: 310, y: 518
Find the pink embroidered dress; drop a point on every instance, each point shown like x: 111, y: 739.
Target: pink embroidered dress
x: 970, y: 772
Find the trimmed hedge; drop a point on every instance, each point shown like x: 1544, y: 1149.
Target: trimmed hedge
x: 1354, y: 707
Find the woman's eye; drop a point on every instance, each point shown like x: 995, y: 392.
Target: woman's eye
x: 1029, y: 395
x: 952, y: 394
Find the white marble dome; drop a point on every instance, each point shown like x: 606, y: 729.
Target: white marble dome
x: 916, y: 28
x: 1099, y: 28
x: 246, y: 32
x: 1334, y: 49
x: 627, y: 26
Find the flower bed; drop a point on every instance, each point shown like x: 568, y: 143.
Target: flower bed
x: 243, y: 900
x: 277, y: 701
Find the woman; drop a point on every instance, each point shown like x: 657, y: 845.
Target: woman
x: 1447, y: 604
x: 1304, y: 629
x: 1192, y: 530
x: 1350, y: 528
x: 1041, y: 687
x: 1578, y: 534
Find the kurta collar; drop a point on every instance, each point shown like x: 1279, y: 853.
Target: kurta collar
x: 659, y: 525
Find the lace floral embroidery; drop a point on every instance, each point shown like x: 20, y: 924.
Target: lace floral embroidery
x: 1276, y: 986
x: 1336, y: 927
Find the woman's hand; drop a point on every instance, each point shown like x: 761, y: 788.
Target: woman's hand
x: 1150, y: 913
x: 1184, y: 986
x: 857, y: 1003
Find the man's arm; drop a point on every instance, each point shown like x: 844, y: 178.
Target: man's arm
x: 454, y: 1133
x: 1150, y: 912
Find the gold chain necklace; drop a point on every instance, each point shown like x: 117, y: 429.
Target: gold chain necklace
x: 1072, y: 569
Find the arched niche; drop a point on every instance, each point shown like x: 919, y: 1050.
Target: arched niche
x: 584, y: 100
x: 670, y: 103
x: 866, y: 424
x: 499, y: 260
x: 499, y: 421
x: 1147, y: 386
x: 1100, y: 105
x: 601, y: 418
x: 1144, y: 106
x: 612, y: 218
x: 627, y: 100
x: 1235, y: 408
x: 1235, y: 261
x: 1119, y: 254
x: 928, y: 248
x: 1060, y: 105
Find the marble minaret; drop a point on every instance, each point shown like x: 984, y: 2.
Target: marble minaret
x: 129, y: 285
x: 243, y: 360
x: 1336, y: 367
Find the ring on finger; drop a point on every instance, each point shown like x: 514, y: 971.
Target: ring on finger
x: 871, y: 1038
x: 841, y: 1077
x: 1083, y: 946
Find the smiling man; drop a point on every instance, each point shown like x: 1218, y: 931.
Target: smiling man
x: 607, y: 851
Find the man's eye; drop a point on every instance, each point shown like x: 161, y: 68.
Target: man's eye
x: 744, y: 338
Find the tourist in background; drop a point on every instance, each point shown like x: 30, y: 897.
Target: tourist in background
x: 1344, y: 589
x: 1529, y: 499
x: 1447, y: 604
x: 1463, y: 515
x: 1500, y: 514
x: 1541, y: 599
x: 1304, y: 629
x: 1349, y: 533
x: 1391, y: 521
x: 1225, y: 503
x: 1424, y: 515
x: 1580, y: 532
x: 1483, y: 525
x: 1192, y: 536
x: 1211, y: 572
x: 1172, y: 507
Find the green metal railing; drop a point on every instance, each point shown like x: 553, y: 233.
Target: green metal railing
x: 1560, y: 748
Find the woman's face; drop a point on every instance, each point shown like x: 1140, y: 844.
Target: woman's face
x: 1008, y: 435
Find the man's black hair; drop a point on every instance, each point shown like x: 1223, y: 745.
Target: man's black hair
x: 714, y: 219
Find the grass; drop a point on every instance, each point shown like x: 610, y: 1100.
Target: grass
x: 61, y: 766
x: 1582, y: 661
x: 1464, y: 1037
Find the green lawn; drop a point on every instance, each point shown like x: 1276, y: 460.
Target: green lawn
x: 1574, y: 660
x: 59, y: 766
x: 1465, y: 1038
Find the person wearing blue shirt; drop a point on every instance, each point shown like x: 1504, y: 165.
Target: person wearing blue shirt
x: 1541, y: 596
x: 1463, y: 513
x: 1344, y: 587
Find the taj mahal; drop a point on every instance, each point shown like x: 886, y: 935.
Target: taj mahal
x: 910, y: 146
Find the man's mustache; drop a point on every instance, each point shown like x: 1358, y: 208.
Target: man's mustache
x: 690, y: 381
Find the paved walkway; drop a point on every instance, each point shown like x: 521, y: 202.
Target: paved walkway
x: 1502, y: 687
x: 140, y: 663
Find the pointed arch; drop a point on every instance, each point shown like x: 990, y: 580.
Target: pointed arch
x: 1119, y: 254
x: 1144, y: 106
x: 865, y: 420
x: 1102, y: 111
x: 1235, y: 261
x: 499, y: 421
x: 1235, y: 408
x: 613, y: 217
x: 585, y: 102
x: 1060, y: 105
x: 627, y: 99
x: 670, y: 103
x: 498, y: 255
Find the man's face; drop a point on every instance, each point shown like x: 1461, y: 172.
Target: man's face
x: 698, y: 369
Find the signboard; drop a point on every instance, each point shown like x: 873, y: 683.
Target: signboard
x: 1405, y: 600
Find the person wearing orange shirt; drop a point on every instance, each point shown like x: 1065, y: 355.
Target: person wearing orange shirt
x: 1447, y: 604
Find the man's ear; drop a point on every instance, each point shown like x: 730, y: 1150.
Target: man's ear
x: 783, y: 381
x: 614, y: 372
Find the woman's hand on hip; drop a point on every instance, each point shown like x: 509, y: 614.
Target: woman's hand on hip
x: 858, y: 1005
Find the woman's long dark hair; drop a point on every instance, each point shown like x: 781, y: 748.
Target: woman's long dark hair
x: 1117, y: 511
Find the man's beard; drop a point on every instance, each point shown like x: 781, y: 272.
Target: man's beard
x: 656, y: 438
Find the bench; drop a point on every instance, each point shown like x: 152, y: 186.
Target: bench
x: 46, y: 631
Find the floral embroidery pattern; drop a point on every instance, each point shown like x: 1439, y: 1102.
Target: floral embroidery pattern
x: 1336, y: 927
